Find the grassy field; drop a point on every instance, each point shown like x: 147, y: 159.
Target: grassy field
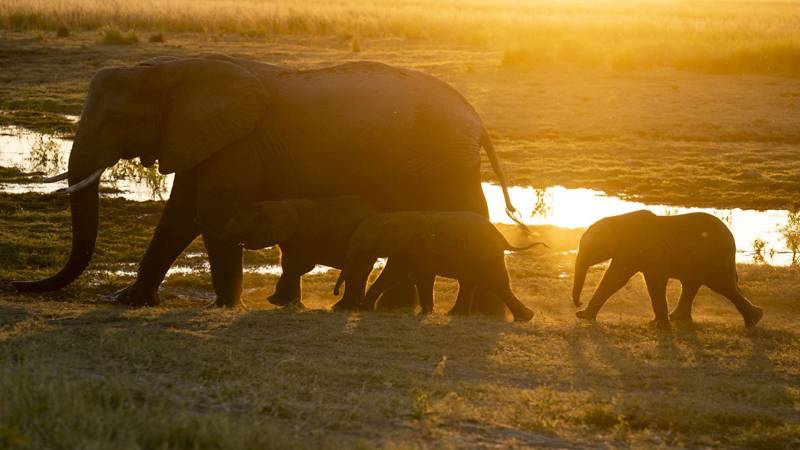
x: 81, y: 372
x: 716, y: 36
x: 680, y: 103
x: 664, y: 136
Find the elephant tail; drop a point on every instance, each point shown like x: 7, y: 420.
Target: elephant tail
x: 524, y: 247
x: 339, y: 282
x: 486, y: 143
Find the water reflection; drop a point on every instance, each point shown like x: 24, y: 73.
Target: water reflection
x: 771, y: 236
x: 48, y: 154
x: 129, y: 270
x: 777, y: 231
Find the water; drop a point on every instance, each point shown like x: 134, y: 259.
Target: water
x: 579, y: 208
x: 554, y: 205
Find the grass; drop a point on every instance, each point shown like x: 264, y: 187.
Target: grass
x: 676, y: 103
x: 113, y: 36
x: 79, y: 371
x: 662, y: 136
x: 708, y: 36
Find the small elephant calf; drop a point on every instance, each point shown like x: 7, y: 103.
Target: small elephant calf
x: 697, y: 249
x: 422, y: 244
x: 309, y: 232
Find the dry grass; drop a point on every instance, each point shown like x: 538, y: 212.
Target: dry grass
x: 666, y: 136
x: 709, y: 36
x: 79, y: 372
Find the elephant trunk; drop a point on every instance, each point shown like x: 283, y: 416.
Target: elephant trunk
x: 581, y: 267
x: 84, y: 208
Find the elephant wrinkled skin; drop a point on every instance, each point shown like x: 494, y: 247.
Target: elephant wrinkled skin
x: 235, y: 131
x: 697, y: 249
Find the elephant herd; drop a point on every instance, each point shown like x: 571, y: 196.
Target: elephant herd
x: 340, y: 166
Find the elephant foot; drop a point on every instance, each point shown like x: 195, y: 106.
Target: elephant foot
x: 426, y: 312
x: 681, y: 317
x: 754, y: 317
x: 229, y: 302
x: 458, y: 310
x: 585, y: 314
x: 279, y: 300
x: 524, y: 315
x: 135, y: 295
x: 344, y: 305
x: 365, y: 307
x: 661, y: 324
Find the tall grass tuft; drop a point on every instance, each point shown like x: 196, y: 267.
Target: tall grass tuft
x: 113, y: 36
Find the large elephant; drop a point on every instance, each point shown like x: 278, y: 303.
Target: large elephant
x: 697, y: 249
x: 235, y: 131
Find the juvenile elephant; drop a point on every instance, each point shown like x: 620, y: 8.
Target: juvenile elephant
x: 697, y: 249
x: 235, y: 131
x: 309, y: 232
x: 460, y: 245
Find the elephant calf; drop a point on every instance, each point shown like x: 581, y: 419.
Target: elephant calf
x: 309, y: 232
x: 423, y: 244
x: 697, y: 249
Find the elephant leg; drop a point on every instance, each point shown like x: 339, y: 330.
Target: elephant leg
x: 391, y: 275
x: 496, y: 281
x: 727, y: 286
x: 613, y: 280
x: 657, y: 288
x: 288, y: 289
x: 226, y: 270
x: 463, y: 304
x: 683, y: 311
x: 425, y: 282
x: 356, y: 276
x: 175, y: 231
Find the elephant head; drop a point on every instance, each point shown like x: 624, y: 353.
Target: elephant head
x: 386, y: 235
x: 629, y: 238
x: 174, y: 111
x: 263, y: 224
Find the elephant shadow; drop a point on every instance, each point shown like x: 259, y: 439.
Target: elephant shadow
x: 691, y: 359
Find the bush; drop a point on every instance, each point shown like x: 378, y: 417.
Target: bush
x: 156, y: 38
x: 62, y: 31
x: 113, y: 36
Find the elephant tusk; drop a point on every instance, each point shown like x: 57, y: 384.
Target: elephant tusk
x: 59, y: 177
x: 85, y: 182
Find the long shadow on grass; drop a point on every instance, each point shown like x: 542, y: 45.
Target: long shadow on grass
x: 707, y: 378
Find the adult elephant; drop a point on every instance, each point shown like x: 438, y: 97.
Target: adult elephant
x: 236, y: 131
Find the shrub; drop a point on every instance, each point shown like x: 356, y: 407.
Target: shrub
x: 156, y: 38
x: 112, y: 36
x: 62, y: 31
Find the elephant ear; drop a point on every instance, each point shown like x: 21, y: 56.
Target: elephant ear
x: 275, y: 222
x: 210, y: 103
x: 639, y: 238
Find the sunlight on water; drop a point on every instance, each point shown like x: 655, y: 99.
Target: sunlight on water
x: 37, y: 152
x: 555, y: 205
x: 579, y: 208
